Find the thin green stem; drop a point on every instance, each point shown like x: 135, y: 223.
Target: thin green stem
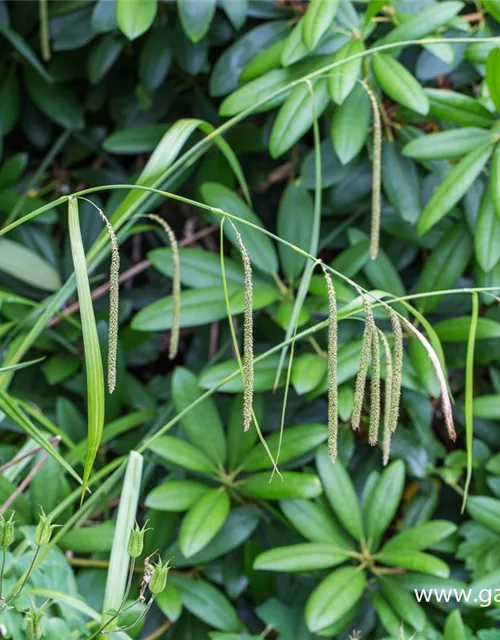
x: 25, y: 577
x: 2, y: 569
x: 44, y: 29
x: 469, y: 394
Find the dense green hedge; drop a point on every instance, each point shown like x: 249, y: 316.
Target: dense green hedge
x: 362, y: 134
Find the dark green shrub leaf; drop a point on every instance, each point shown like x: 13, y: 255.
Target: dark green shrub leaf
x: 175, y: 495
x: 203, y: 520
x: 318, y: 17
x: 308, y: 370
x: 485, y: 510
x: 415, y: 561
x: 350, y: 124
x: 314, y: 522
x: 458, y: 107
x: 204, y: 415
x: 300, y: 557
x: 399, y: 84
x: 424, y: 22
x: 296, y: 116
x: 420, y: 537
x: 454, y: 187
x: 333, y: 598
x: 457, y: 329
x: 454, y: 628
x: 487, y: 407
x: 295, y: 222
x: 400, y: 182
x: 403, y: 603
x: 181, y: 454
x: 343, y: 78
x: 447, y: 144
x: 340, y: 493
x: 134, y: 17
x: 135, y: 140
x: 384, y: 501
x: 292, y: 485
x: 56, y: 102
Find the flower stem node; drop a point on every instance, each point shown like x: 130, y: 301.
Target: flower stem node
x: 6, y: 531
x: 136, y: 540
x: 159, y: 577
x: 44, y: 529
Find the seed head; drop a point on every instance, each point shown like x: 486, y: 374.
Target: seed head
x: 359, y: 389
x: 6, y: 531
x: 44, y: 529
x: 33, y: 623
x: 136, y: 540
x: 159, y: 577
x: 333, y: 404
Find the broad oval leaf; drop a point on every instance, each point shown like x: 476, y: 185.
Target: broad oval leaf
x: 314, y: 522
x: 485, y: 510
x: 243, y: 98
x: 206, y: 602
x: 425, y: 21
x: 201, y: 418
x: 296, y: 442
x: 415, y: 561
x: 175, y: 495
x: 319, y: 16
x: 295, y: 223
x: 384, y: 501
x: 296, y: 116
x: 458, y: 107
x: 181, y: 454
x: 203, y: 520
x: 333, y: 597
x: 403, y: 603
x: 457, y: 329
x: 493, y: 76
x: 399, y: 84
x: 447, y: 144
x: 445, y: 265
x: 56, y: 102
x: 310, y: 556
x: 340, y: 493
x: 308, y: 370
x: 400, y: 182
x: 487, y: 407
x: 343, y: 78
x: 264, y: 374
x: 134, y: 17
x: 454, y: 187
x: 291, y: 485
x: 259, y: 246
x: 350, y: 124
x: 196, y: 17
x: 420, y: 537
x: 27, y: 266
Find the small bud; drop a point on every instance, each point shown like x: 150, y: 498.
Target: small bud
x: 33, y: 623
x: 6, y: 531
x: 44, y: 529
x: 159, y: 577
x: 136, y: 540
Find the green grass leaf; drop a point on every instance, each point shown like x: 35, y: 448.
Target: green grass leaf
x: 93, y: 359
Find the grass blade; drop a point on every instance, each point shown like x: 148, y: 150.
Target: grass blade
x: 469, y: 394
x: 93, y: 360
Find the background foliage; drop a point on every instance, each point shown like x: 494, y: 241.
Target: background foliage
x: 87, y: 94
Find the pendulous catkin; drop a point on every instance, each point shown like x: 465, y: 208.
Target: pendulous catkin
x: 366, y: 345
x: 114, y: 294
x: 248, y: 366
x: 377, y: 173
x: 176, y: 285
x: 374, y: 391
x: 397, y: 369
x: 386, y: 446
x: 333, y: 406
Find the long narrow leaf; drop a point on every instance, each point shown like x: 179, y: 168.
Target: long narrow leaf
x: 93, y: 360
x: 469, y: 394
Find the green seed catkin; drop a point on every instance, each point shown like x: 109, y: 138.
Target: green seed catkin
x: 176, y: 285
x: 359, y: 389
x: 377, y: 173
x: 386, y: 446
x: 333, y: 405
x: 397, y: 369
x: 114, y: 303
x: 248, y: 365
x: 374, y: 391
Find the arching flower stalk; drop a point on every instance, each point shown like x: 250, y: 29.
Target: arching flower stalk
x: 366, y: 345
x: 397, y: 370
x: 386, y: 446
x: 377, y: 173
x: 374, y: 390
x: 248, y: 365
x: 333, y: 406
x: 445, y: 398
x: 176, y: 285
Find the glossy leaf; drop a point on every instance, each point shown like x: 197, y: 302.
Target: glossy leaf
x: 403, y: 602
x: 182, y: 454
x: 415, y: 561
x: 420, y: 537
x: 343, y: 78
x: 384, y: 501
x: 400, y: 182
x: 447, y: 145
x: 399, y: 84
x: 458, y: 107
x: 350, y: 124
x: 333, y: 598
x: 318, y: 17
x: 295, y: 222
x: 175, y: 495
x: 202, y: 417
x: 196, y: 17
x: 453, y: 187
x: 308, y: 370
x: 27, y: 266
x: 292, y: 485
x: 340, y: 493
x: 300, y: 557
x: 134, y: 17
x: 203, y: 520
x: 457, y: 329
x: 314, y: 522
x: 424, y: 22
